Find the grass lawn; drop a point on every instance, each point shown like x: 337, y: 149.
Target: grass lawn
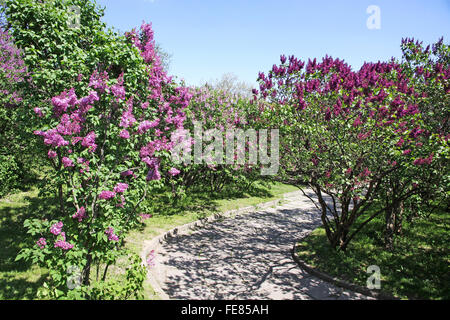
x: 19, y: 280
x: 418, y: 268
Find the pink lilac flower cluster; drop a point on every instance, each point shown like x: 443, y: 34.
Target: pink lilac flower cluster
x: 124, y: 134
x: 128, y: 118
x: 52, y: 154
x: 111, y: 235
x: 52, y: 138
x: 153, y: 165
x: 56, y: 228
x: 70, y: 124
x: 146, y: 125
x: 67, y: 162
x: 99, y: 81
x: 84, y: 163
x: 118, y: 89
x: 423, y: 161
x: 145, y: 216
x: 12, y: 67
x: 120, y: 187
x: 80, y: 215
x: 173, y: 172
x: 38, y: 111
x: 62, y: 243
x: 121, y: 204
x: 89, y: 141
x: 106, y: 195
x: 128, y: 173
x: 41, y: 243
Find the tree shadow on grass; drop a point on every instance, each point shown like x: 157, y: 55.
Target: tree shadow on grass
x: 13, y: 287
x: 202, y: 200
x: 14, y: 237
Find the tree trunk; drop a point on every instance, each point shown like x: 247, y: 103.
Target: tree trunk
x: 389, y: 229
x: 61, y: 198
x: 87, y: 270
x: 342, y: 237
x: 399, y: 218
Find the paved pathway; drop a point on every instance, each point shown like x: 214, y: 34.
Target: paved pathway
x: 246, y: 257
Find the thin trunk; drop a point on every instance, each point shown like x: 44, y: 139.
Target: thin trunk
x: 87, y: 270
x: 61, y: 198
x: 342, y: 237
x: 105, y: 272
x: 399, y: 218
x: 389, y: 229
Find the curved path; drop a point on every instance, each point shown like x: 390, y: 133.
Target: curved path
x: 246, y: 257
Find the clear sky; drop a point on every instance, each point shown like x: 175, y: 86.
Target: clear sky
x: 208, y: 38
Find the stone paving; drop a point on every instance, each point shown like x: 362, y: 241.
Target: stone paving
x: 246, y: 257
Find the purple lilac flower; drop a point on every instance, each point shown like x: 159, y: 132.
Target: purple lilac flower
x: 173, y: 172
x: 56, y: 228
x: 80, y: 215
x: 127, y: 118
x: 122, y: 202
x: 106, y: 195
x: 118, y: 90
x: 120, y: 187
x: 38, y: 111
x: 111, y: 235
x: 52, y: 154
x: 67, y: 162
x: 153, y: 174
x: 63, y: 245
x: 89, y: 141
x: 41, y: 243
x: 124, y: 134
x: 146, y: 125
x: 145, y: 216
x: 128, y: 173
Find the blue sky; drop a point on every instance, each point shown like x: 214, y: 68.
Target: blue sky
x: 208, y: 38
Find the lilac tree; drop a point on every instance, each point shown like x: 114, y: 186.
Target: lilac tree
x: 346, y: 134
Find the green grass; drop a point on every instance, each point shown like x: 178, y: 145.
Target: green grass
x: 20, y: 280
x: 418, y: 268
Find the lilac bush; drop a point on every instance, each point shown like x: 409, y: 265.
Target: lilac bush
x: 106, y: 173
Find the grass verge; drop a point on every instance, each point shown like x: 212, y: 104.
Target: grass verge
x: 418, y: 267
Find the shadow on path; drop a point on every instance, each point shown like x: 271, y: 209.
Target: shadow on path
x: 247, y: 257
